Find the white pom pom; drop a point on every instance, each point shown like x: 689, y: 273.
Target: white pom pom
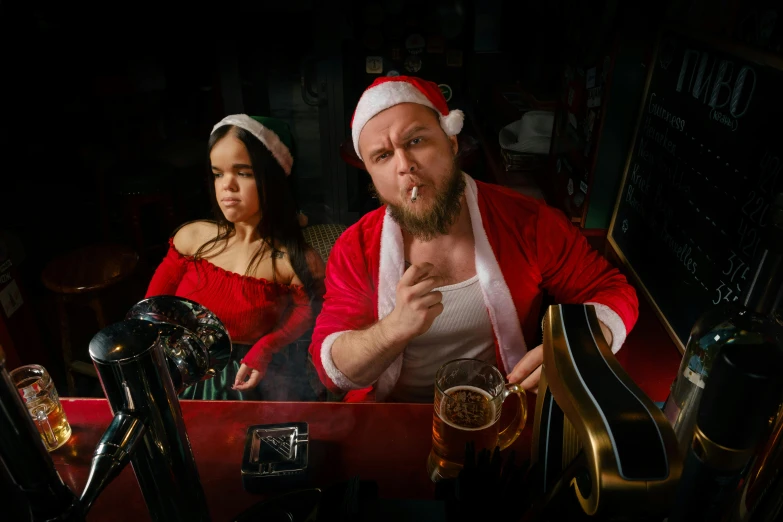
x: 452, y: 122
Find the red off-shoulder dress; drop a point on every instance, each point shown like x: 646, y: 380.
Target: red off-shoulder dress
x: 261, y: 316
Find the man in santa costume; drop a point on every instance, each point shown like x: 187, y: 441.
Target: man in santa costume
x: 449, y: 267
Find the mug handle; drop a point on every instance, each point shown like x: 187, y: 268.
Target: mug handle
x: 42, y: 420
x: 510, y: 433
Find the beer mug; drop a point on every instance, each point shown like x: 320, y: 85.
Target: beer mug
x: 469, y: 396
x: 37, y: 390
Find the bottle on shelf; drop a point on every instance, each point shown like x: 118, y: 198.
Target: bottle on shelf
x: 743, y: 393
x: 750, y: 321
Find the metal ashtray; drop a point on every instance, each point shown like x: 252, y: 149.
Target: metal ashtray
x: 275, y: 454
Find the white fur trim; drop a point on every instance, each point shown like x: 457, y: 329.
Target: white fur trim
x: 266, y: 136
x: 337, y: 377
x: 389, y: 94
x: 612, y: 321
x: 497, y: 296
x: 452, y: 122
x: 390, y: 270
x: 391, y: 265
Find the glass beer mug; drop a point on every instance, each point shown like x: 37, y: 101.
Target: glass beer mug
x: 469, y: 396
x: 39, y: 395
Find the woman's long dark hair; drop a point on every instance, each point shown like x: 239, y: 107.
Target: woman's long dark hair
x: 279, y: 226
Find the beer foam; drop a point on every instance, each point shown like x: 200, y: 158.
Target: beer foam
x: 472, y: 389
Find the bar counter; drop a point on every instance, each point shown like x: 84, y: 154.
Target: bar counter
x: 387, y: 443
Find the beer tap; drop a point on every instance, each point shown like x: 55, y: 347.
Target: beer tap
x: 164, y: 345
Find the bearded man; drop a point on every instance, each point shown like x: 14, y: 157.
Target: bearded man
x: 448, y: 267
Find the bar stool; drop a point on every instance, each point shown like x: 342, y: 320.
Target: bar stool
x: 80, y: 277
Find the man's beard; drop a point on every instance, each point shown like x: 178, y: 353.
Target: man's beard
x: 438, y: 219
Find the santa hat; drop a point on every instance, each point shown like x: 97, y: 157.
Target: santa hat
x: 388, y: 91
x: 273, y: 133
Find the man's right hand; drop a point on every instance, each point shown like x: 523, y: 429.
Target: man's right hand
x: 418, y: 304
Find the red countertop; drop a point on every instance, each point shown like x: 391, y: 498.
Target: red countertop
x: 387, y: 443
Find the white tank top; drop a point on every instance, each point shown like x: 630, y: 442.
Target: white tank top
x: 462, y: 330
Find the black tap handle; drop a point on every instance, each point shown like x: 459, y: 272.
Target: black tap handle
x: 112, y: 454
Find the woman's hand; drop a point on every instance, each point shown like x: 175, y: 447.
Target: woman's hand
x: 246, y: 372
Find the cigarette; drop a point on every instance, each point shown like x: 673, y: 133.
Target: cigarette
x: 414, y: 194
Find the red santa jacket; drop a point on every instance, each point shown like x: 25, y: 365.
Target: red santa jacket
x: 523, y: 247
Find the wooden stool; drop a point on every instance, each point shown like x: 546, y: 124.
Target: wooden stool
x: 79, y: 277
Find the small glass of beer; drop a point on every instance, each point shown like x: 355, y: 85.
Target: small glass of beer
x: 39, y: 395
x: 469, y: 396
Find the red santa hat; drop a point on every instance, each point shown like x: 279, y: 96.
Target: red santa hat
x: 388, y: 91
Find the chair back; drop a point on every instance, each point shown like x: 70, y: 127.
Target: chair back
x: 323, y: 237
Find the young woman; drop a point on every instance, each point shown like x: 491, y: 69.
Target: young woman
x: 251, y: 266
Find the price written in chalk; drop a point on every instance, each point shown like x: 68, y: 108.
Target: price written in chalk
x: 749, y: 238
x: 756, y: 208
x: 737, y: 268
x: 726, y: 293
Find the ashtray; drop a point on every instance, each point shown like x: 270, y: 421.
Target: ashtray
x: 275, y: 455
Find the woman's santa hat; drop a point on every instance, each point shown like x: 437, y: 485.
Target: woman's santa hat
x: 388, y: 91
x: 272, y: 132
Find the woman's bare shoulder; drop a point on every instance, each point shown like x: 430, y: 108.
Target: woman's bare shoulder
x: 190, y: 236
x: 313, y: 260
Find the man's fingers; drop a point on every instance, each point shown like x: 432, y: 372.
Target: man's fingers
x: 416, y: 273
x: 434, y: 311
x: 531, y: 383
x: 431, y: 299
x: 529, y: 362
x: 427, y: 284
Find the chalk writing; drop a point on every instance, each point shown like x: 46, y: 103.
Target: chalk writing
x: 724, y: 293
x: 702, y: 173
x: 740, y: 270
x: 755, y: 208
x: 725, y: 120
x: 641, y: 181
x: 770, y: 168
x: 671, y: 170
x: 661, y: 205
x: 634, y: 202
x: 716, y: 89
x: 681, y: 251
x: 656, y: 108
x: 749, y: 238
x: 661, y: 138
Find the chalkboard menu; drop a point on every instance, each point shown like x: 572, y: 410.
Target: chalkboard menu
x: 701, y: 174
